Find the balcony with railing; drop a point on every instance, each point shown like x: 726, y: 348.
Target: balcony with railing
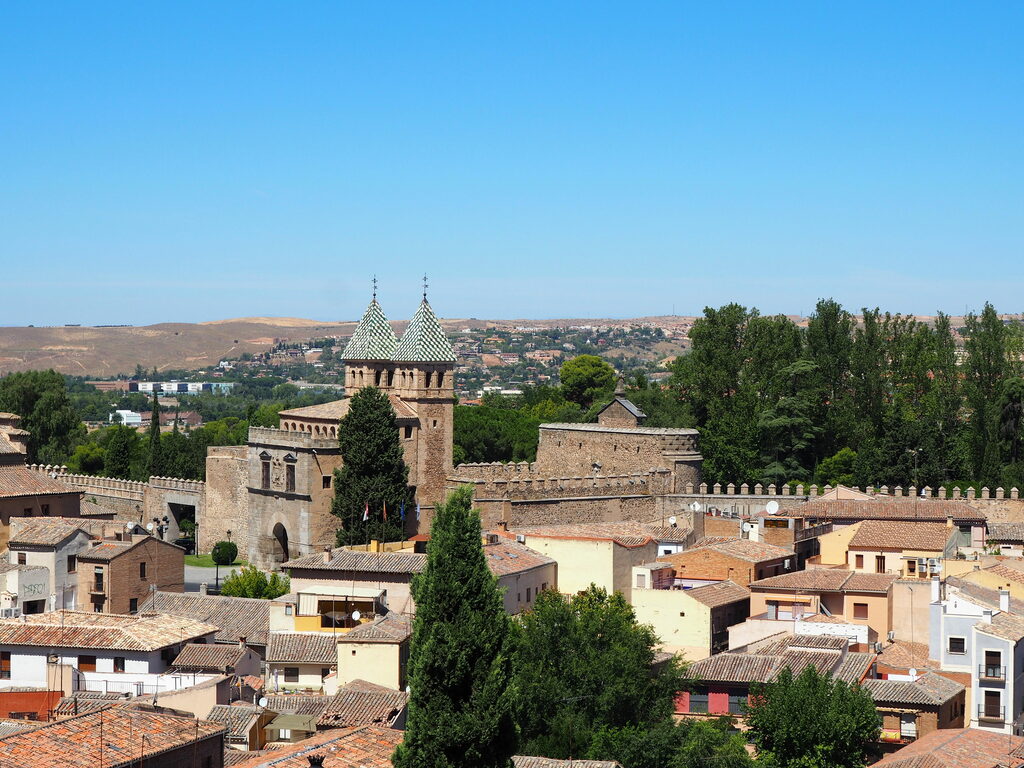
x: 991, y: 672
x: 991, y: 714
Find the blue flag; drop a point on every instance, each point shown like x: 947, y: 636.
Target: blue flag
x: 401, y: 511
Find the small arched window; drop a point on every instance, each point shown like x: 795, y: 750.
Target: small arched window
x: 430, y: 377
x: 440, y: 379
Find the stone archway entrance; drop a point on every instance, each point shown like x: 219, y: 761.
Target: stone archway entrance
x: 281, y: 537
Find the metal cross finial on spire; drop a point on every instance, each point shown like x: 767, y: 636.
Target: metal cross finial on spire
x: 374, y: 287
x: 424, y: 287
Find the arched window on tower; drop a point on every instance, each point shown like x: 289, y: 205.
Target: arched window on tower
x: 430, y: 376
x: 377, y: 378
x: 391, y: 377
x: 440, y: 379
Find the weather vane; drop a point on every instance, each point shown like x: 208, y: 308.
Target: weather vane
x: 424, y: 287
x: 374, y: 287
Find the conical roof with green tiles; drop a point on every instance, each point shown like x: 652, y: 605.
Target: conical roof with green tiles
x: 373, y: 338
x: 424, y: 341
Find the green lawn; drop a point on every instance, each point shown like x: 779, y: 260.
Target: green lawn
x: 206, y: 561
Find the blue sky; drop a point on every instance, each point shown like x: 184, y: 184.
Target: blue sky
x: 195, y: 161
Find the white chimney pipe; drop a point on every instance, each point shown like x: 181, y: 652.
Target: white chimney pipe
x: 935, y: 589
x: 1004, y: 600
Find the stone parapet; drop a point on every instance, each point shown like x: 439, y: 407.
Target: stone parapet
x: 520, y: 482
x: 287, y: 438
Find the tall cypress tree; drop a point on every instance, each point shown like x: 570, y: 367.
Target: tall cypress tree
x: 117, y: 462
x: 374, y: 475
x: 156, y: 463
x: 460, y: 704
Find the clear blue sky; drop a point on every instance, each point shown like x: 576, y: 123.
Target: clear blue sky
x: 192, y: 161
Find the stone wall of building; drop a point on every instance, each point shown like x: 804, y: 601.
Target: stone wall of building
x: 227, y: 498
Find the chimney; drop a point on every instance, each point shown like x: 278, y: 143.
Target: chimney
x: 203, y: 589
x: 327, y: 555
x: 936, y: 591
x: 316, y: 761
x: 1004, y: 600
x: 986, y: 616
x: 241, y: 641
x: 503, y: 525
x: 949, y: 521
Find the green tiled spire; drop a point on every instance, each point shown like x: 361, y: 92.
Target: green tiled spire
x: 424, y: 341
x: 373, y: 338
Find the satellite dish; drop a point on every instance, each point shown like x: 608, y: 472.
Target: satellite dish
x: 263, y: 701
x: 355, y: 615
x: 149, y: 527
x: 695, y: 506
x: 772, y: 507
x: 129, y: 526
x: 672, y: 521
x: 747, y: 527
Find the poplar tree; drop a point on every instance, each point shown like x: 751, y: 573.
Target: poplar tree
x: 374, y: 475
x: 460, y: 711
x: 156, y: 463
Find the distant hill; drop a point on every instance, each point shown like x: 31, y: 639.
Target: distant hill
x: 110, y: 350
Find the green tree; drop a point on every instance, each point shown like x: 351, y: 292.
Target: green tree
x: 837, y: 732
x: 985, y: 368
x: 374, y: 476
x: 689, y: 744
x: 583, y: 664
x: 155, y: 460
x: 460, y: 664
x: 117, y: 461
x: 252, y: 582
x: 224, y: 552
x: 41, y: 399
x: 585, y: 378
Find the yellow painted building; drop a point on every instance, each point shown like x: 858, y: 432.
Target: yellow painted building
x: 692, y: 622
x: 910, y: 549
x: 377, y: 652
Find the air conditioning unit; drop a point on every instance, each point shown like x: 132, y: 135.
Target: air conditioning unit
x: 521, y: 538
x: 934, y: 566
x: 892, y: 635
x: 922, y: 563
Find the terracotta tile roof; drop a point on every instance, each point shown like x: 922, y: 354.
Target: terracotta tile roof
x: 363, y: 703
x: 507, y: 557
x: 1007, y: 626
x: 233, y: 757
x: 888, y: 509
x: 1007, y: 570
x: 813, y: 642
x: 72, y: 629
x: 82, y: 702
x: 1005, y: 532
x: 392, y: 628
x: 300, y: 648
x: 237, y: 718
x: 367, y: 746
x: 625, y: 534
x: 929, y: 689
x: 336, y: 410
x: 43, y: 533
x: 855, y: 667
x: 105, y: 551
x: 297, y: 704
x: 10, y: 727
x: 209, y: 656
x: 235, y: 616
x: 76, y: 743
x: 745, y: 549
x: 827, y: 580
x: 719, y: 593
x: 959, y: 748
x: 736, y: 668
x: 366, y: 562
x: 901, y: 534
x: 903, y: 654
x: 18, y: 480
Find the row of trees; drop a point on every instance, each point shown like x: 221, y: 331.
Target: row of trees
x: 877, y: 400
x: 884, y: 400
x: 576, y: 678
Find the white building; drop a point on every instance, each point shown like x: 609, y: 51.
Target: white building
x: 127, y: 418
x: 25, y: 589
x: 97, y: 651
x: 52, y: 544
